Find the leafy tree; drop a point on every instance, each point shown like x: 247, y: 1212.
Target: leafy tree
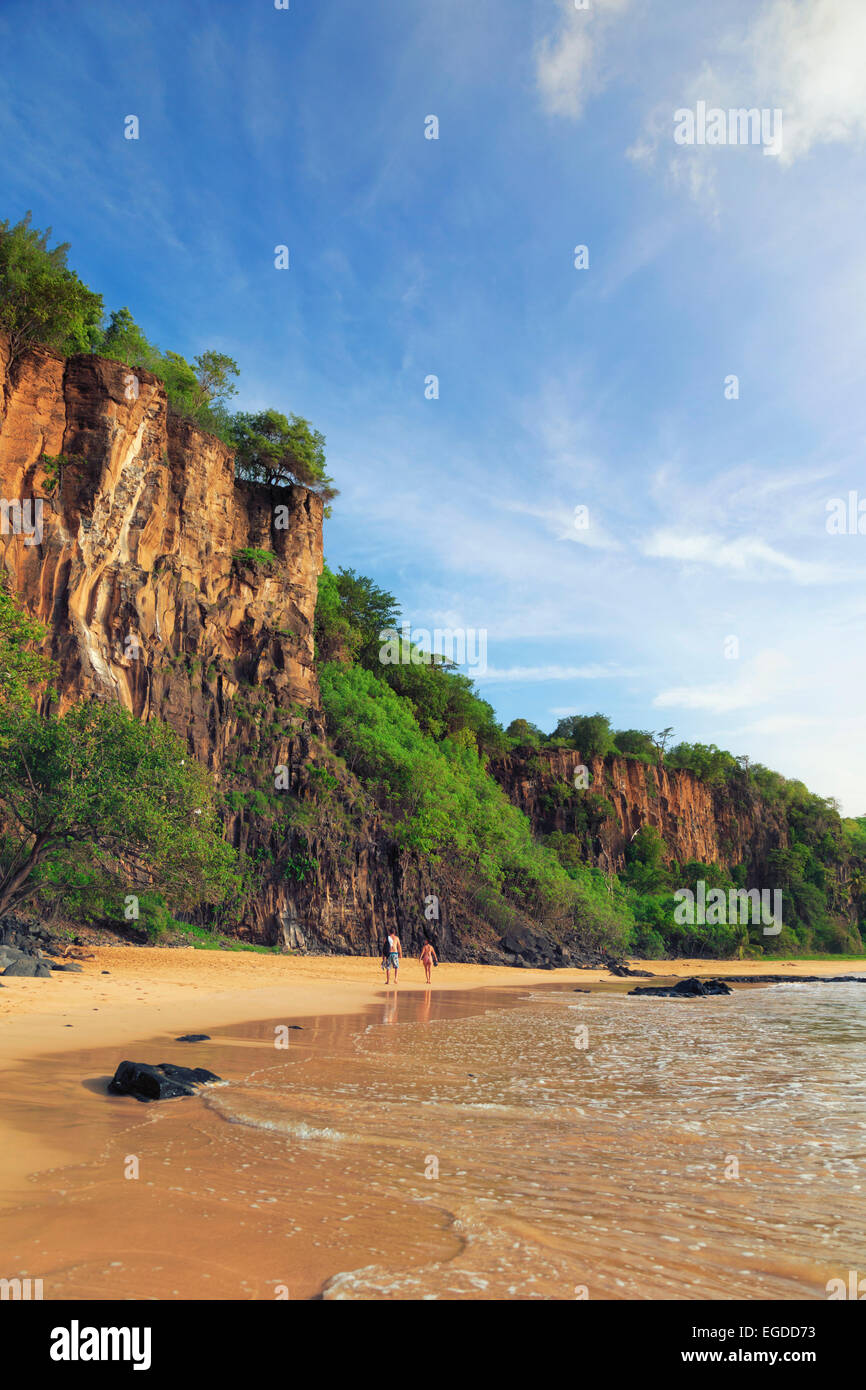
x: 590, y: 734
x: 181, y: 382
x: 41, y: 300
x: 636, y: 741
x: 214, y: 372
x: 95, y: 786
x: 661, y: 741
x: 124, y: 341
x: 646, y: 871
x: 713, y: 875
x: 525, y: 733
x: 276, y: 451
x: 125, y: 791
x: 705, y: 760
x: 336, y: 639
x: 369, y: 611
x: 23, y: 670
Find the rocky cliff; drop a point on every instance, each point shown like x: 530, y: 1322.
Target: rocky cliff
x: 124, y: 532
x: 134, y: 564
x: 696, y: 821
x: 167, y: 585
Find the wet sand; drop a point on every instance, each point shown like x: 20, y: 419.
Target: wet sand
x: 312, y: 1165
x: 148, y: 990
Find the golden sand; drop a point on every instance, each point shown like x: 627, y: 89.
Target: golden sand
x: 156, y: 989
x: 215, y: 1214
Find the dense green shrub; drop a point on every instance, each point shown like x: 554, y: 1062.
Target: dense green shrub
x: 443, y: 802
x: 42, y: 301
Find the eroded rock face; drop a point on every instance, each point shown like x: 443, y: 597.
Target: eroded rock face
x: 696, y: 820
x: 134, y: 569
x: 133, y: 573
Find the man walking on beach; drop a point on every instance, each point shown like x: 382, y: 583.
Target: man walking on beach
x: 393, y: 953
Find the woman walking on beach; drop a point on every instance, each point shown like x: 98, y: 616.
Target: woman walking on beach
x: 391, y: 958
x: 428, y: 956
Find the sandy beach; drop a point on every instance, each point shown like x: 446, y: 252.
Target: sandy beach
x: 281, y: 1180
x: 153, y: 990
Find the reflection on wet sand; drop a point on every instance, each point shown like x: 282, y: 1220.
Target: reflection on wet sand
x: 439, y: 1146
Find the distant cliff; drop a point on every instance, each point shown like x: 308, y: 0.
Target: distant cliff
x: 697, y: 821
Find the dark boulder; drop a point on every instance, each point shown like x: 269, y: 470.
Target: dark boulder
x: 163, y: 1082
x: 27, y: 936
x: 29, y: 967
x: 624, y: 970
x: 67, y: 965
x: 531, y: 949
x: 798, y: 979
x: 684, y: 989
x: 194, y: 1037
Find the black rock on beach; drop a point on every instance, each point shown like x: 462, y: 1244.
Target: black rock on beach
x: 684, y: 989
x: 163, y: 1082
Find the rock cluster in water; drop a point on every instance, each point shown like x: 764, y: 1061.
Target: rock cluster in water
x: 692, y: 988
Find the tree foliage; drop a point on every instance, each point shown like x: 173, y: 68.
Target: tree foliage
x: 42, y: 301
x: 590, y: 734
x: 96, y: 787
x: 276, y: 450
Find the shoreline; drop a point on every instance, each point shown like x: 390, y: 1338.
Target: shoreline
x: 127, y: 994
x: 273, y: 1181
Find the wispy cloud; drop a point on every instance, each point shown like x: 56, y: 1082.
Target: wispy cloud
x: 768, y: 676
x: 579, y: 523
x: 568, y: 62
x: 807, y: 57
x: 534, y: 674
x: 803, y: 58
x: 747, y: 556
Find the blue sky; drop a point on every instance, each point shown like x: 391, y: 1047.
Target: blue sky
x: 559, y: 388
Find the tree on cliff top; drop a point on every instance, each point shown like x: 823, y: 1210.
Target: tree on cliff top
x: 526, y: 733
x: 638, y: 742
x: 124, y: 341
x: 590, y: 734
x: 276, y: 451
x: 200, y: 390
x: 41, y: 299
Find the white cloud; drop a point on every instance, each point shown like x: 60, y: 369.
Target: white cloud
x: 745, y: 555
x: 567, y: 63
x: 804, y: 58
x: 808, y: 57
x: 549, y: 673
x: 768, y: 677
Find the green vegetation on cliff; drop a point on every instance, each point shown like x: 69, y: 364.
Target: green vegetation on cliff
x: 419, y: 737
x: 44, y: 303
x: 421, y: 747
x: 99, y: 813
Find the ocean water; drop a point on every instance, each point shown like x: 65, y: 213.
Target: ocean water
x: 471, y: 1145
x: 581, y: 1145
